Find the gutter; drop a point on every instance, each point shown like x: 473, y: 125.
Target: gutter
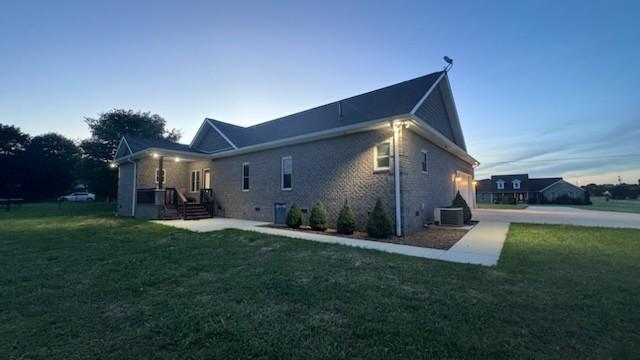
x: 396, y: 176
x: 134, y: 187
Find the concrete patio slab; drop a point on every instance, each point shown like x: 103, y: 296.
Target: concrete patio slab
x: 481, y: 245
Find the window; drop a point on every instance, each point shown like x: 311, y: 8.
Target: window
x: 164, y: 176
x: 245, y: 176
x: 382, y: 156
x: 287, y: 173
x: 516, y: 184
x: 195, y: 180
x: 423, y: 161
x: 500, y: 184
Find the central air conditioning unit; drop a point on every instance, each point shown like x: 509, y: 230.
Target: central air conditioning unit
x: 448, y: 216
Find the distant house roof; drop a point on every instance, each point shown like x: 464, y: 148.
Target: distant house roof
x: 392, y: 100
x: 538, y: 184
x: 527, y: 184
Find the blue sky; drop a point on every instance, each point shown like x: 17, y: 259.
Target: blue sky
x: 544, y: 87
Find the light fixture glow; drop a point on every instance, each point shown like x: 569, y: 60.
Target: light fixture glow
x: 458, y: 178
x: 155, y: 155
x: 177, y: 159
x: 113, y: 165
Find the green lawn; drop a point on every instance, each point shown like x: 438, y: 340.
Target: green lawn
x: 501, y: 206
x: 599, y: 203
x: 90, y: 285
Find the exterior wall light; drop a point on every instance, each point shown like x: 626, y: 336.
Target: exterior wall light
x: 155, y: 155
x: 113, y: 165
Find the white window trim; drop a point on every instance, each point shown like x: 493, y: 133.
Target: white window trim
x: 514, y: 182
x: 242, y: 177
x: 500, y: 184
x: 164, y: 173
x: 375, y: 157
x: 282, y: 173
x: 424, y: 155
x: 191, y: 182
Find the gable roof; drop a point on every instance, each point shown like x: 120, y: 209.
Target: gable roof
x: 386, y: 102
x: 538, y: 184
x: 135, y: 144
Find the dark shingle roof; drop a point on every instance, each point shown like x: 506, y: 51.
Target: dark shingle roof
x: 528, y: 184
x: 389, y: 101
x: 138, y: 144
x: 538, y: 184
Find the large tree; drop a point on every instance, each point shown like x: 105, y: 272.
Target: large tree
x: 13, y: 143
x: 50, y: 161
x: 106, y: 132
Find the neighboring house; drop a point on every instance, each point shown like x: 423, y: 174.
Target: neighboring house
x: 402, y: 144
x: 521, y: 188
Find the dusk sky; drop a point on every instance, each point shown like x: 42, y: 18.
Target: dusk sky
x: 545, y: 88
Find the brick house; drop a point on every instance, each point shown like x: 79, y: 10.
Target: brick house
x: 520, y: 189
x: 402, y: 144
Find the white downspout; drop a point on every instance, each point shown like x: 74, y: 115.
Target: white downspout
x: 134, y: 187
x: 396, y: 175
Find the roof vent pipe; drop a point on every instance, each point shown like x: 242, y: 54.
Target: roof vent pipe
x: 339, y: 110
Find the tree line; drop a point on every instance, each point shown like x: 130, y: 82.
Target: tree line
x: 43, y: 167
x: 620, y: 191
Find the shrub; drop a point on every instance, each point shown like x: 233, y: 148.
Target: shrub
x: 459, y: 202
x: 346, y: 223
x: 379, y: 224
x: 318, y: 217
x: 294, y: 217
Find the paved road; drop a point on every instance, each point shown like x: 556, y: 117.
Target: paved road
x: 560, y: 215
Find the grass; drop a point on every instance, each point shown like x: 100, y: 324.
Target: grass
x: 599, y: 203
x: 77, y: 282
x: 501, y: 206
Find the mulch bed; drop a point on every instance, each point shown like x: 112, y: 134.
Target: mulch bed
x: 432, y: 237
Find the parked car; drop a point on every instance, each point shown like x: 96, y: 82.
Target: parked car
x: 78, y: 196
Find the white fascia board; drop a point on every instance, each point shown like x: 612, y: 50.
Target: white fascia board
x: 433, y: 135
x: 200, y: 129
x: 221, y: 134
x: 452, y: 111
x: 343, y: 130
x: 123, y: 141
x: 184, y: 155
x: 426, y: 95
x: 560, y: 181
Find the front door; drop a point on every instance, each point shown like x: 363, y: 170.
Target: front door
x: 207, y: 178
x: 280, y: 214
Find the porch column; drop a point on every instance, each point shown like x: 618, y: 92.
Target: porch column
x: 160, y: 173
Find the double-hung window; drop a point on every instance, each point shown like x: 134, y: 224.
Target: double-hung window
x: 500, y: 184
x: 195, y: 180
x: 424, y: 165
x: 287, y: 173
x: 245, y: 176
x: 382, y: 156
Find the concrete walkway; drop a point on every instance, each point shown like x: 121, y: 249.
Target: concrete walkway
x: 560, y: 215
x: 481, y: 245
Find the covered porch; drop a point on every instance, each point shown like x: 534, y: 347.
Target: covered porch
x: 173, y: 185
